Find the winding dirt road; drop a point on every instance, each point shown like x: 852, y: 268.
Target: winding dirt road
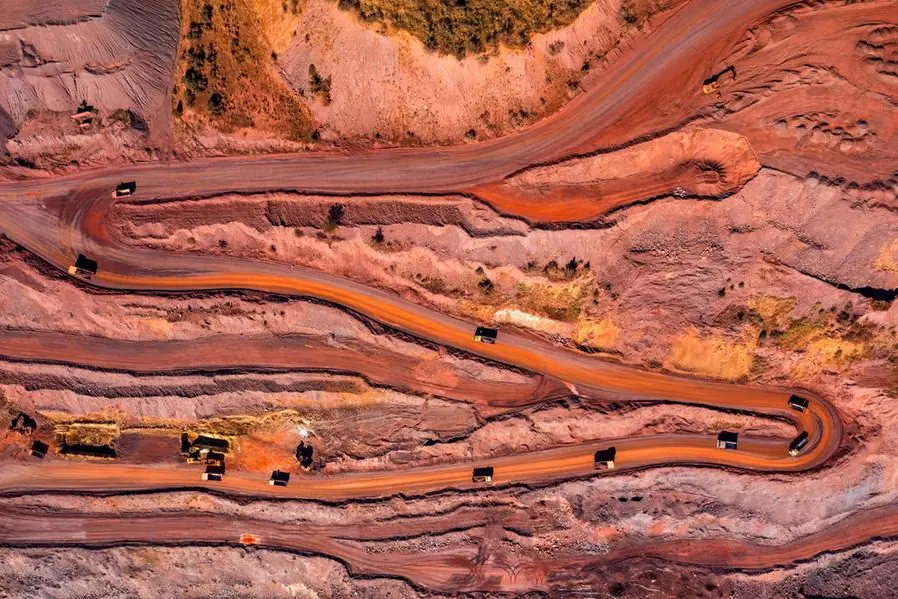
x: 57, y: 218
x: 670, y: 63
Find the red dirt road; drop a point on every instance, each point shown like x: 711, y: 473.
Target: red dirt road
x: 280, y: 353
x: 669, y: 63
x: 450, y: 572
x: 54, y: 222
x: 57, y: 218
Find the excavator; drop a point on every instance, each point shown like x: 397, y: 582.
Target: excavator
x: 711, y: 85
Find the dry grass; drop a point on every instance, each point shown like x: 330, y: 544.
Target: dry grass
x: 887, y: 260
x: 279, y: 20
x: 772, y: 312
x: 712, y: 356
x: 96, y: 435
x: 801, y: 333
x: 601, y: 334
x: 827, y: 354
x: 636, y: 12
x: 225, y: 77
x: 559, y: 302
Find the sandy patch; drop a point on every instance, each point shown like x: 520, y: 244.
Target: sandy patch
x: 711, y: 355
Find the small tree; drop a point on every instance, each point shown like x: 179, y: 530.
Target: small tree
x: 216, y: 104
x: 378, y: 236
x: 628, y: 13
x: 334, y: 216
x: 486, y: 285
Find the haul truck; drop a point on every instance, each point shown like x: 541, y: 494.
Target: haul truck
x: 485, y: 335
x: 83, y: 267
x: 604, y: 459
x: 124, y: 189
x: 483, y: 475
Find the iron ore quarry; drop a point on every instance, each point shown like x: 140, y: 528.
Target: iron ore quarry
x: 398, y: 299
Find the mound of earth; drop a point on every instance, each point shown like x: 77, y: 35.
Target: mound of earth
x: 692, y: 163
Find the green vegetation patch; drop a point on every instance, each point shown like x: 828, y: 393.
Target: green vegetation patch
x: 460, y: 27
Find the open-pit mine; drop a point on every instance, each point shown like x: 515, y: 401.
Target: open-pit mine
x: 356, y: 298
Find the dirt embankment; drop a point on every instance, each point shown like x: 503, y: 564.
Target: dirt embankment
x: 704, y: 163
x: 225, y: 79
x: 25, y: 13
x: 816, y: 92
x: 627, y: 289
x: 392, y: 89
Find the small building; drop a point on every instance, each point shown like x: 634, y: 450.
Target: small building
x: 604, y: 459
x: 483, y: 475
x: 83, y: 266
x: 798, y: 443
x: 84, y: 115
x: 486, y: 335
x: 23, y: 423
x: 279, y: 479
x: 214, y: 472
x: 798, y: 403
x: 39, y: 449
x: 727, y: 440
x: 124, y: 189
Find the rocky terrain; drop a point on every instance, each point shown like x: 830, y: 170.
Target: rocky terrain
x: 674, y: 238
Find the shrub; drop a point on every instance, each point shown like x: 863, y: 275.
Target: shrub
x: 334, y: 216
x: 321, y: 86
x: 195, y: 31
x: 628, y: 13
x: 556, y: 47
x: 378, y: 236
x: 486, y: 286
x: 195, y: 80
x: 216, y: 104
x: 131, y: 119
